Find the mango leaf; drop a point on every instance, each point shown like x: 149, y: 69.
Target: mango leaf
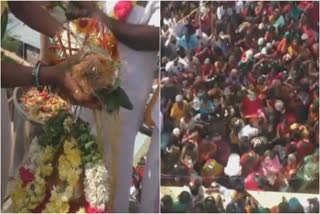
x: 113, y: 101
x: 124, y: 99
x: 4, y: 22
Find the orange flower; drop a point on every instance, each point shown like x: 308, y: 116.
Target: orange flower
x: 112, y: 46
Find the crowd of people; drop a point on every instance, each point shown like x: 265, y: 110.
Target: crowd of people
x: 240, y: 95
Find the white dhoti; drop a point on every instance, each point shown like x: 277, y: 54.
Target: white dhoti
x: 151, y: 179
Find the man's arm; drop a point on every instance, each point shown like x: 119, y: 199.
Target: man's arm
x: 139, y: 37
x: 33, y: 15
x: 136, y: 36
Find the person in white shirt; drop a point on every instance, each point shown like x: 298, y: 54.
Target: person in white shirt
x: 174, y: 67
x: 202, y: 38
x: 247, y: 133
x: 187, y: 122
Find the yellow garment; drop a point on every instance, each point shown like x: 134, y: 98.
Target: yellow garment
x: 305, y: 132
x: 212, y: 168
x: 148, y: 113
x: 176, y: 112
x: 291, y: 51
x: 272, y: 18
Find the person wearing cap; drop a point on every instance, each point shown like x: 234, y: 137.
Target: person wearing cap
x: 178, y: 109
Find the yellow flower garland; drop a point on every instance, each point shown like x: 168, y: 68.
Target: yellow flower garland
x: 69, y: 168
x: 26, y: 199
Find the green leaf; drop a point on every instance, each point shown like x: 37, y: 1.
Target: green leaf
x: 124, y: 99
x: 89, y: 144
x: 4, y: 22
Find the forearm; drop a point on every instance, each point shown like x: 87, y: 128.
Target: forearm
x: 15, y: 75
x: 33, y: 15
x: 139, y: 37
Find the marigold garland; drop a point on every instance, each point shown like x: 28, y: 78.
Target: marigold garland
x: 79, y: 152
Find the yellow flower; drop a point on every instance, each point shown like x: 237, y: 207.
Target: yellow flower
x: 46, y: 170
x: 75, y: 158
x: 73, y: 178
x: 57, y: 207
x: 64, y: 208
x: 47, y: 155
x: 63, y: 167
x: 18, y: 196
x: 81, y: 210
x: 67, y: 147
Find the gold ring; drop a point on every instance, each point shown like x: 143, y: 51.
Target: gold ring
x: 76, y: 92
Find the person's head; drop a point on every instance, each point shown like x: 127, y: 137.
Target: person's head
x: 313, y: 205
x: 295, y: 206
x: 187, y: 31
x: 194, y: 186
x: 251, y: 95
x: 166, y: 204
x: 234, y: 74
x: 179, y: 100
x: 184, y: 197
x: 279, y: 106
x: 207, y: 62
x: 142, y: 161
x: 209, y: 205
x: 283, y: 206
x: 176, y: 132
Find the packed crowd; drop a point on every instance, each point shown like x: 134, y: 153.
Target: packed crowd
x: 240, y: 94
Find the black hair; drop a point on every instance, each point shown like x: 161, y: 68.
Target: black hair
x: 166, y: 204
x: 209, y: 205
x: 184, y: 197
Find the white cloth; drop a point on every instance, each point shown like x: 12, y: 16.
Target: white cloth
x: 137, y: 82
x: 151, y: 179
x: 174, y: 69
x: 238, y: 7
x: 233, y: 167
x: 204, y: 39
x: 5, y: 143
x: 220, y: 12
x: 247, y: 131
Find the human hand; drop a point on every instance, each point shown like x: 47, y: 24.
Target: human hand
x: 59, y: 76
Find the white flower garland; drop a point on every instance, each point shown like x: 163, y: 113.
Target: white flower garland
x: 96, y: 186
x: 32, y: 159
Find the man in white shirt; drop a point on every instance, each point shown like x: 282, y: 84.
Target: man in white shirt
x: 247, y: 133
x: 174, y: 66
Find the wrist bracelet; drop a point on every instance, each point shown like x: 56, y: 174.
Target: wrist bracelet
x: 36, y: 74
